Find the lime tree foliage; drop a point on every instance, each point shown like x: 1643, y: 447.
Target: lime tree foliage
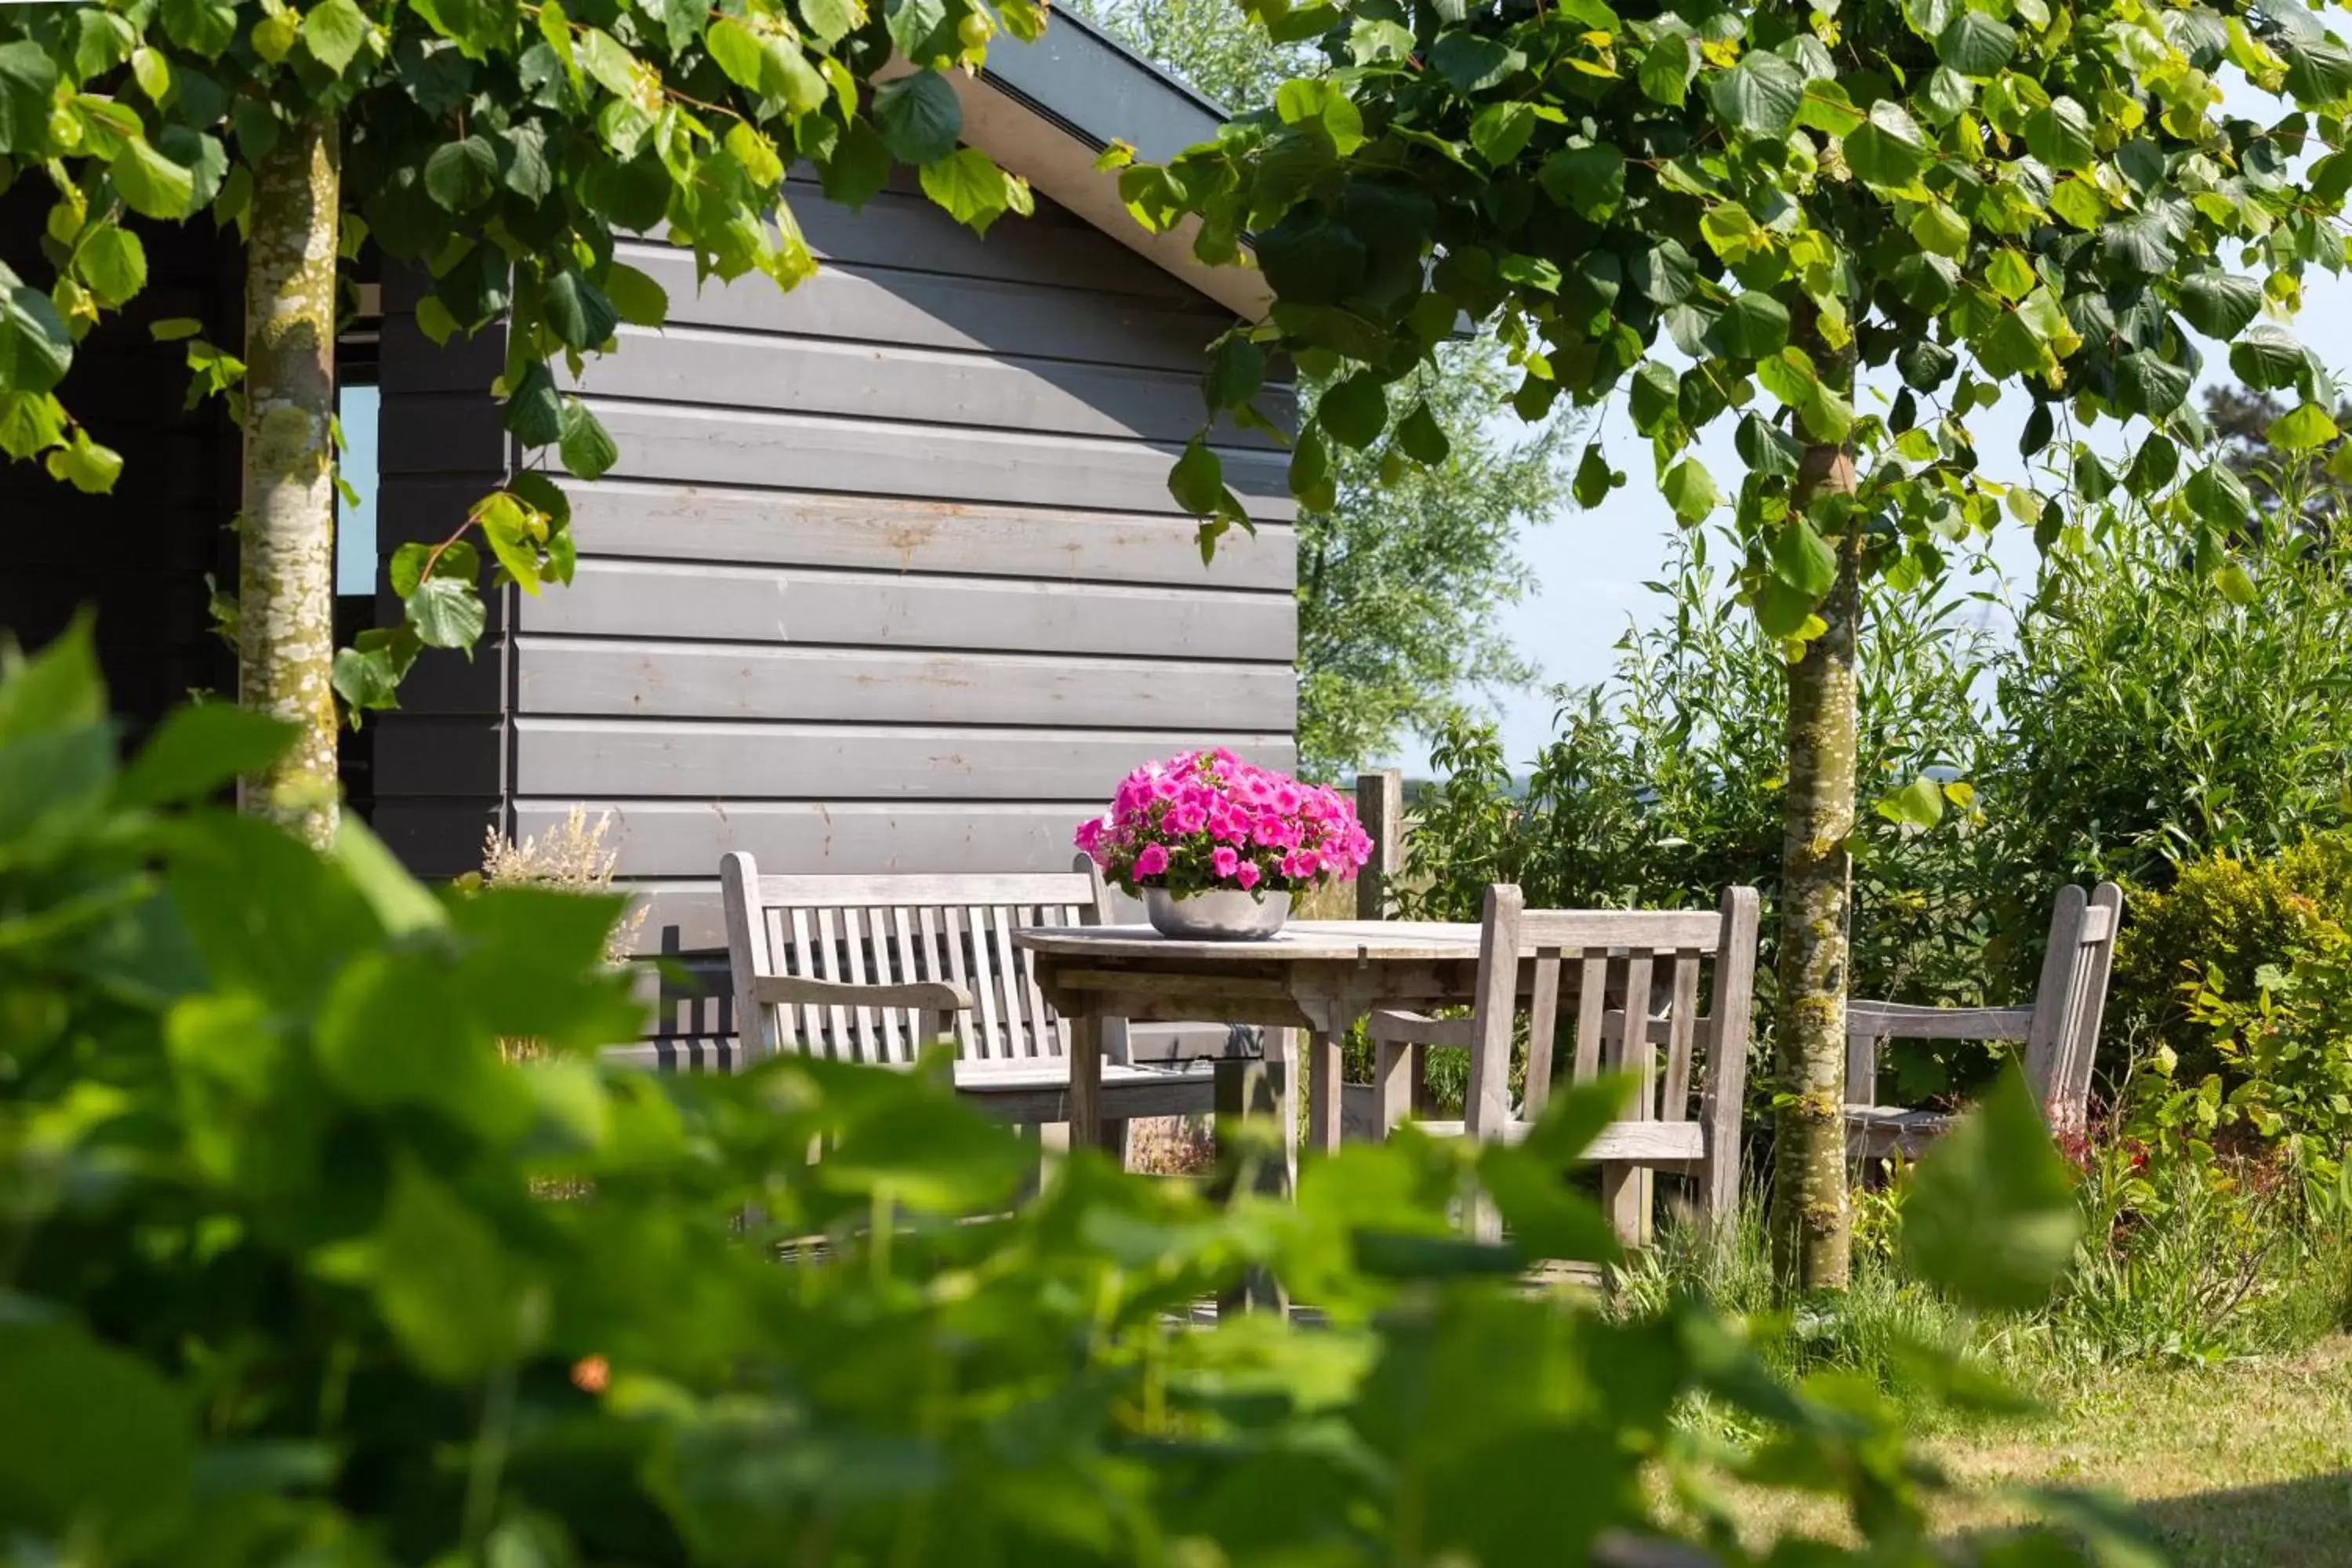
x: 1747, y: 214
x: 2312, y: 483
x: 294, y: 1265
x: 500, y: 146
x: 1403, y: 577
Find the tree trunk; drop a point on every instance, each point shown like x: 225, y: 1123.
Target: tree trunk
x: 1811, y: 1232
x: 286, y: 574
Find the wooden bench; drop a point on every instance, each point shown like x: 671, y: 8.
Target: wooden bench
x: 1609, y: 955
x: 2060, y: 1031
x: 871, y: 969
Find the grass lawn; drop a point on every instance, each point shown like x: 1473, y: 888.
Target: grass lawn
x: 2249, y: 1465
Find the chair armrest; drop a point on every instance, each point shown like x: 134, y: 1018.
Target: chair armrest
x: 926, y: 996
x: 1404, y: 1028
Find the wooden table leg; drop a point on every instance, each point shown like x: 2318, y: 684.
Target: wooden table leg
x: 1086, y: 1081
x: 1323, y: 1092
x: 1256, y: 1091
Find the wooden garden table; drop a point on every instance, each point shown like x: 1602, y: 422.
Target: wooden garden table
x: 1319, y: 976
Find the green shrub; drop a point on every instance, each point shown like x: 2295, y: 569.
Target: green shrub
x: 279, y: 1280
x: 2222, y: 922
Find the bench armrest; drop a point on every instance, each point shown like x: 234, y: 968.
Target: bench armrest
x: 925, y: 995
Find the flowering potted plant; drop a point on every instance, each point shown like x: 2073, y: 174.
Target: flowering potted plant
x: 1216, y: 848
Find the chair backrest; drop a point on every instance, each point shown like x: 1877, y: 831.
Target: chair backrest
x: 1637, y: 980
x: 2060, y: 1030
x: 899, y: 929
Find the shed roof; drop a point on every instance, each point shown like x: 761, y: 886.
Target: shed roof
x: 1045, y: 110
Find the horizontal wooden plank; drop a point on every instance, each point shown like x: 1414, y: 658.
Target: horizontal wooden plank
x: 866, y: 456
x: 1655, y: 931
x: 702, y: 366
x: 1649, y: 1142
x: 881, y: 305
x: 781, y: 606
x: 703, y: 759
x: 907, y: 230
x: 716, y: 680
x: 683, y: 522
x: 1889, y: 1020
x: 913, y: 889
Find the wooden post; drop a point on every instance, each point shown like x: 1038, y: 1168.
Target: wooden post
x: 1256, y: 1090
x: 1086, y: 1081
x: 1379, y: 806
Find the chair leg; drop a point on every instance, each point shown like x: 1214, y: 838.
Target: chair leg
x: 1626, y: 1193
x: 1117, y: 1139
x: 1393, y: 1084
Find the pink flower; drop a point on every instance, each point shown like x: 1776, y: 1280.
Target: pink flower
x: 1269, y: 830
x: 1302, y: 865
x: 1248, y: 875
x: 1225, y: 861
x: 1286, y: 797
x: 1186, y: 817
x: 1090, y: 833
x: 1152, y: 860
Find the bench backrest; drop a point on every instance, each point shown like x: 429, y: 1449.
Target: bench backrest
x: 1647, y: 962
x: 899, y: 929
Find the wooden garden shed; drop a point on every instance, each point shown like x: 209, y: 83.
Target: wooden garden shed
x: 888, y: 577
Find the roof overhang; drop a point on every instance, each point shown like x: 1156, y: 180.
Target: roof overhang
x: 1047, y: 109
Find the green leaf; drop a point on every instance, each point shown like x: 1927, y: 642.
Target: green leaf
x: 1355, y: 411
x: 833, y: 20
x: 533, y: 411
x: 333, y: 31
x: 1500, y: 130
x: 367, y: 674
x: 30, y: 422
x: 585, y: 445
x: 34, y: 347
x: 97, y: 1447
x: 638, y: 299
x: 1594, y: 478
x: 1767, y: 448
x: 2220, y: 304
x: 198, y: 750
x: 911, y: 23
x: 442, y: 1282
x: 2235, y: 586
x: 447, y: 613
x: 150, y: 183
x: 460, y: 175
x: 1198, y: 479
x: 2148, y: 383
x: 2079, y: 203
x: 859, y: 168
x: 1919, y: 803
x: 1940, y: 230
x: 2318, y: 71
x: 1828, y: 109
x: 1976, y: 45
x: 1667, y: 66
x: 1754, y: 325
x: 84, y: 464
x: 1472, y: 62
x: 969, y: 185
x: 1888, y: 152
x: 28, y: 83
x: 1924, y: 364
x: 785, y: 73
x: 1422, y: 437
x: 1802, y: 559
x: 1758, y: 97
x: 2269, y: 357
x: 919, y: 117
x: 2216, y: 494
x: 1654, y: 395
x: 736, y: 49
x: 113, y: 262
x: 1990, y: 1216
x: 2302, y: 429
x: 1590, y: 179
x: 1236, y: 372
x: 2060, y: 136
x: 1690, y: 489
x: 577, y: 310
x: 507, y: 526
x: 1310, y: 471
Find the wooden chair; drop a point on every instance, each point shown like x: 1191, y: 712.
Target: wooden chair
x: 871, y: 969
x: 1652, y: 956
x: 2061, y: 1032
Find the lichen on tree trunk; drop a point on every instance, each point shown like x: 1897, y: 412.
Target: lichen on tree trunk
x: 1809, y: 1218
x: 286, y: 574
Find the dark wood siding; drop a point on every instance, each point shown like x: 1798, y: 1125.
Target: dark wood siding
x: 138, y: 557
x: 887, y: 577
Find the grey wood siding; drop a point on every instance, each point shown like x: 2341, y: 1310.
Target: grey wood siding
x: 887, y: 577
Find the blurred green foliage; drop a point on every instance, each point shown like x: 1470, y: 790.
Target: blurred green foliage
x: 295, y: 1268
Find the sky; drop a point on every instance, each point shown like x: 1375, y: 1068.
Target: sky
x: 1590, y: 565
